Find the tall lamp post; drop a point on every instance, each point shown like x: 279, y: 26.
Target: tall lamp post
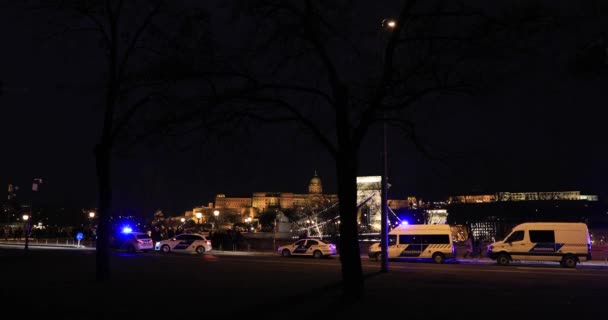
x: 199, y: 215
x: 384, y: 212
x: 216, y: 214
x: 92, y: 229
x: 389, y: 24
x: 26, y: 218
x: 274, y: 235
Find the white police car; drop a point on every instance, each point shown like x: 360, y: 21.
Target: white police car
x: 308, y: 247
x: 131, y: 241
x: 185, y: 243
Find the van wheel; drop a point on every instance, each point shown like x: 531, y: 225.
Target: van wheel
x: 569, y: 261
x: 503, y: 259
x: 438, y: 258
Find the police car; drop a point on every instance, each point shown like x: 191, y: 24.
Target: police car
x: 185, y: 243
x: 131, y: 241
x: 308, y: 247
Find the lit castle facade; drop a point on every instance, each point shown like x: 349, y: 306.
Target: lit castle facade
x: 261, y: 201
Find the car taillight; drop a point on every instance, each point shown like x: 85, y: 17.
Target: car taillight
x: 208, y: 242
x: 140, y: 241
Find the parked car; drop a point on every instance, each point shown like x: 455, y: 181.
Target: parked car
x: 185, y: 243
x: 308, y: 247
x: 132, y: 241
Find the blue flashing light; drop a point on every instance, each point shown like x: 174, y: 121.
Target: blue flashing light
x: 126, y: 229
x: 404, y: 223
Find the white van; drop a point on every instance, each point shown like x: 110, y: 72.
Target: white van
x: 565, y: 242
x: 417, y: 241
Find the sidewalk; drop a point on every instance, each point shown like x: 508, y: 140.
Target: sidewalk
x: 45, y: 245
x: 596, y: 263
x: 485, y: 260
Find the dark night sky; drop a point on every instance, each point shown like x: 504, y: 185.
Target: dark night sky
x: 541, y: 130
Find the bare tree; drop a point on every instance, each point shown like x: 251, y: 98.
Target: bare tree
x: 143, y: 60
x: 336, y: 69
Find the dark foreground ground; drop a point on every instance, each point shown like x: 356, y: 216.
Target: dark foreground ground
x: 58, y: 284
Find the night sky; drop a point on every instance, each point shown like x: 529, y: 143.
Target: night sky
x: 541, y: 128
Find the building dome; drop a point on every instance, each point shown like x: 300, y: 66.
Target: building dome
x: 315, y: 185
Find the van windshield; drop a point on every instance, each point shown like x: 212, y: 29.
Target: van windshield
x: 515, y: 236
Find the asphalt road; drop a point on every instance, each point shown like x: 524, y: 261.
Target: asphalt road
x: 154, y: 286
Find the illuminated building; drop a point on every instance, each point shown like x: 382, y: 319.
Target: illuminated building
x: 522, y: 196
x: 368, y: 198
x: 261, y: 201
x: 491, y: 216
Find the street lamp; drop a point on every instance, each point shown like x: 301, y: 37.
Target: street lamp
x: 216, y: 214
x: 92, y: 214
x: 27, y: 231
x: 389, y: 23
x: 198, y: 217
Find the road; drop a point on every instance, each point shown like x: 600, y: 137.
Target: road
x: 151, y: 285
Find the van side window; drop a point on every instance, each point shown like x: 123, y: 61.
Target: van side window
x: 436, y: 239
x: 409, y: 239
x: 538, y: 236
x: 516, y: 236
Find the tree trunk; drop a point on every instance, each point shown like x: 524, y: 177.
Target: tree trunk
x: 102, y: 158
x: 350, y: 256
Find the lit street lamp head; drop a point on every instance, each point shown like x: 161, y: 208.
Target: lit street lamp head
x: 216, y: 213
x: 27, y: 231
x: 389, y: 23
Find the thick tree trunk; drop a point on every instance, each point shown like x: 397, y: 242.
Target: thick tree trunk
x: 102, y: 158
x: 350, y: 256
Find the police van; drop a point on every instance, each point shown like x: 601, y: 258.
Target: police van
x: 565, y: 242
x: 417, y: 241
